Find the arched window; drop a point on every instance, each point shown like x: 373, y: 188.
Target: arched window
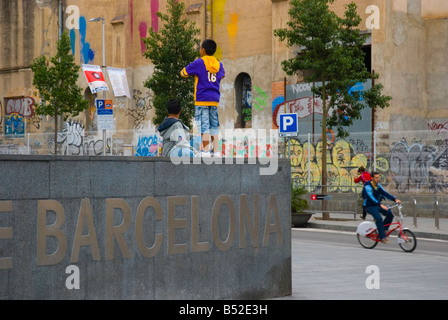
x: 243, y: 103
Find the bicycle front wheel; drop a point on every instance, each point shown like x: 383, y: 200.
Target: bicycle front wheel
x: 367, y: 242
x: 407, y: 241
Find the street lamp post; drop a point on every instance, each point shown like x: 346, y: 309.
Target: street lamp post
x: 104, y: 70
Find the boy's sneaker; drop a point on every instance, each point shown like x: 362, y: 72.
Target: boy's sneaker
x: 217, y: 154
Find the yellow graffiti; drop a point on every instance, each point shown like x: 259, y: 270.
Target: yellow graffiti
x: 232, y: 29
x: 382, y: 164
x: 342, y: 164
x: 218, y: 53
x: 218, y: 18
x: 341, y: 154
x: 218, y: 11
x: 304, y: 171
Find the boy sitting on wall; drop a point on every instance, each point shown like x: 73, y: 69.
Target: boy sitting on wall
x: 175, y: 134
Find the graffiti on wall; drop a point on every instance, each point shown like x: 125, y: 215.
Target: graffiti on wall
x: 278, y: 98
x: 73, y: 141
x: 438, y: 127
x: 343, y: 162
x: 143, y: 31
x: 414, y: 167
x: 143, y: 25
x: 143, y: 104
x: 86, y: 53
x: 261, y: 98
x: 17, y: 110
x: 232, y: 30
x: 148, y: 146
x: 309, y: 108
x: 419, y: 166
x: 239, y: 147
x: 244, y: 147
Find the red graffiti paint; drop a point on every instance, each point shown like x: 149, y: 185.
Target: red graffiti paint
x: 438, y: 127
x: 21, y: 106
x: 143, y: 29
x: 154, y: 17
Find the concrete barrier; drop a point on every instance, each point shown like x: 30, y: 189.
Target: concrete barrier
x: 142, y: 228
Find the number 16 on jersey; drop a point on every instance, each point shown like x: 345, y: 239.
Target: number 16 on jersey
x: 211, y: 77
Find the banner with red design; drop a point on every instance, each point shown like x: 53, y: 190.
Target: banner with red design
x: 95, y: 78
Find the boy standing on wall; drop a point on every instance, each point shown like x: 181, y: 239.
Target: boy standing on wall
x: 208, y: 73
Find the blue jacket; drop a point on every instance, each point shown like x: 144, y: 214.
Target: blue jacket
x: 374, y: 195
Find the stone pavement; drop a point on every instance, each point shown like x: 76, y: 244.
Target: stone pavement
x: 426, y: 227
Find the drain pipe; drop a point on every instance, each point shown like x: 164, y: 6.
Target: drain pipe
x: 61, y: 23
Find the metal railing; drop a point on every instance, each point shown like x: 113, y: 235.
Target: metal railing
x: 74, y: 141
x: 436, y: 213
x: 353, y: 202
x: 411, y: 162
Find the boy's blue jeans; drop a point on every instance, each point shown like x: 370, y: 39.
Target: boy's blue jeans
x: 380, y: 224
x: 207, y: 119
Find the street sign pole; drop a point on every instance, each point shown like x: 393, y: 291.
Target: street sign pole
x: 289, y: 127
x: 105, y: 114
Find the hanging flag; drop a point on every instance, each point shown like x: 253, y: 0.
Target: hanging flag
x: 119, y: 82
x: 95, y: 78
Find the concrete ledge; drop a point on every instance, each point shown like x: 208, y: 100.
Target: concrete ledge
x: 142, y: 228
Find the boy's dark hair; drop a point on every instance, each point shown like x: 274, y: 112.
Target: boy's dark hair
x: 173, y: 106
x: 209, y: 46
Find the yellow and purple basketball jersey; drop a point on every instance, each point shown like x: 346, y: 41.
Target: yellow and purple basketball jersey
x: 208, y: 73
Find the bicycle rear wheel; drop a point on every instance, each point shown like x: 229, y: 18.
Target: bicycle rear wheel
x: 367, y: 242
x: 407, y: 242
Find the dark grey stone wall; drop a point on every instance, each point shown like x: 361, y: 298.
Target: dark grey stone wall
x: 142, y: 228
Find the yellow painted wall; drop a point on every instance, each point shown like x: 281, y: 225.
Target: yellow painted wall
x: 408, y: 52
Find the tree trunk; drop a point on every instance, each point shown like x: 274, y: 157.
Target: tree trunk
x: 55, y: 130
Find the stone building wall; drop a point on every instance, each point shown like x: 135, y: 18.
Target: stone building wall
x: 408, y: 49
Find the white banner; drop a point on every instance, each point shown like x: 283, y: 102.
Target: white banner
x: 95, y: 78
x: 119, y: 82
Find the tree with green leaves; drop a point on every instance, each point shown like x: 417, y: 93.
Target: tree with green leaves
x: 55, y: 81
x: 170, y: 50
x: 330, y: 52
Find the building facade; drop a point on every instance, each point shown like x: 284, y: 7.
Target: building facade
x: 407, y: 47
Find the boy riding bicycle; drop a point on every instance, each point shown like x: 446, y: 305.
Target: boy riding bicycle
x: 373, y: 193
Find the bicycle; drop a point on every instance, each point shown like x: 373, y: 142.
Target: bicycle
x: 367, y: 233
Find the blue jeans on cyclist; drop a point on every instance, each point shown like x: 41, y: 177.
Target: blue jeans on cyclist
x: 376, y: 212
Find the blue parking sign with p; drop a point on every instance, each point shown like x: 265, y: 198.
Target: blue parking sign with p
x: 104, y: 107
x: 289, y: 124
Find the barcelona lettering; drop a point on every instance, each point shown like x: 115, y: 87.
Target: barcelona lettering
x: 222, y: 232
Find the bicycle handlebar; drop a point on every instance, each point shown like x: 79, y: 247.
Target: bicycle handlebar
x: 395, y: 205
